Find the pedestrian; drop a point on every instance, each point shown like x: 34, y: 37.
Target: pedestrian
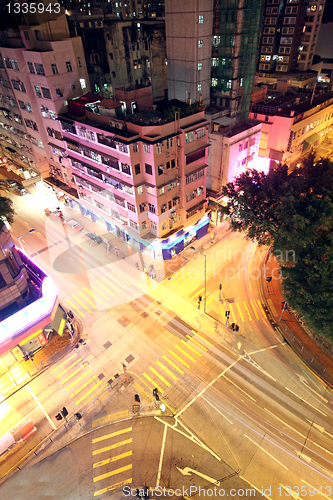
x: 70, y: 314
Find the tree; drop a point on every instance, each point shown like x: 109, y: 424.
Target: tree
x: 293, y: 213
x: 6, y: 211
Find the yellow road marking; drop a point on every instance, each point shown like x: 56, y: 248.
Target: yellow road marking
x: 188, y: 285
x: 271, y: 305
x: 152, y: 382
x: 160, y: 377
x: 113, y: 459
x: 80, y: 378
x: 110, y: 418
x: 197, y: 294
x: 240, y: 312
x: 190, y: 347
x: 98, y: 291
x: 113, y: 487
x: 68, y: 367
x: 100, y: 284
x: 201, y: 337
x: 197, y: 343
x: 109, y: 436
x: 179, y: 278
x: 74, y: 307
x: 71, y: 375
x: 173, y: 364
x: 96, y: 298
x: 83, y: 386
x: 112, y: 286
x: 79, y: 301
x: 64, y: 362
x: 254, y: 309
x: 233, y: 317
x: 112, y: 473
x: 120, y: 277
x: 88, y: 300
x: 179, y: 359
x: 248, y: 312
x: 90, y: 391
x: 185, y: 353
x: 261, y: 309
x: 209, y: 301
x: 222, y: 311
x: 141, y: 391
x: 166, y: 370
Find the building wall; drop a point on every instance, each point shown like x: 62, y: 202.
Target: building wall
x: 189, y: 49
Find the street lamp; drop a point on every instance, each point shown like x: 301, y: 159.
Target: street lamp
x: 25, y: 234
x: 195, y: 250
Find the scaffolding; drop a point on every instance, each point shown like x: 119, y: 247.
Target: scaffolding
x: 236, y: 27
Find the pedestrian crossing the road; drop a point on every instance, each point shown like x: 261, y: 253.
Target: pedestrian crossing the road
x: 78, y: 379
x: 112, y: 459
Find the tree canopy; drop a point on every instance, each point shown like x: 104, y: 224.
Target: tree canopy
x: 6, y: 211
x: 293, y: 213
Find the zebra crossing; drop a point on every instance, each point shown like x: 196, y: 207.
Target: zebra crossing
x: 78, y: 379
x: 112, y: 459
x: 240, y: 311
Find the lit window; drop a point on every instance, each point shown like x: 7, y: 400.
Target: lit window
x: 214, y: 82
x: 199, y: 86
x: 200, y: 19
x: 199, y: 66
x: 82, y: 83
x: 200, y: 44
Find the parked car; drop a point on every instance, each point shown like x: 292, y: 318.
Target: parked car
x: 73, y: 224
x: 12, y: 184
x: 21, y: 190
x: 54, y: 211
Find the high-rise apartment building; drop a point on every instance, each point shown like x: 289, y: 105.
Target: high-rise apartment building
x: 41, y: 68
x: 289, y: 35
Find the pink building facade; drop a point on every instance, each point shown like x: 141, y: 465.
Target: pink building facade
x: 143, y: 178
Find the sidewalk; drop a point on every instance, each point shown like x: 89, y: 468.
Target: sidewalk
x: 311, y: 353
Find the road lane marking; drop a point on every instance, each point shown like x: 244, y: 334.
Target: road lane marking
x: 93, y: 295
x: 113, y: 487
x: 64, y: 362
x: 218, y: 411
x: 233, y: 383
x: 79, y: 378
x: 179, y: 359
x: 166, y: 370
x: 68, y: 367
x: 261, y: 309
x: 153, y: 383
x: 120, y: 277
x: 111, y: 435
x: 142, y: 392
x: 161, y: 457
x: 254, y: 309
x: 41, y: 407
x: 98, y: 291
x: 83, y: 386
x: 88, y: 300
x: 63, y: 382
x: 90, y: 391
x: 322, y: 494
x: 79, y: 301
x: 294, y: 393
x: 100, y: 284
x: 233, y: 317
x: 201, y: 337
x: 110, y: 418
x: 197, y: 343
x: 262, y: 449
x: 185, y: 353
x: 247, y: 310
x: 190, y: 347
x: 112, y: 286
x: 240, y: 312
x: 173, y: 364
x: 160, y: 376
x: 74, y: 307
x: 112, y: 473
x: 113, y: 459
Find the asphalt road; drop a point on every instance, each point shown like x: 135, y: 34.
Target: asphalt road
x: 246, y: 409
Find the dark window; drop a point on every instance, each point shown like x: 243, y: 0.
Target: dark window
x: 173, y: 163
x: 46, y: 93
x: 137, y: 168
x: 38, y: 35
x: 148, y: 168
x: 195, y: 156
x: 26, y: 35
x: 160, y: 169
x: 167, y: 164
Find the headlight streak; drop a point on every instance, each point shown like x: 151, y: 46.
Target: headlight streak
x: 261, y: 423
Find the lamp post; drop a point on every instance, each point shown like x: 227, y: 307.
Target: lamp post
x: 195, y: 250
x: 25, y: 234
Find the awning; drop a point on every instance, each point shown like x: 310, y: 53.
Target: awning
x: 56, y: 147
x: 76, y: 143
x: 196, y: 150
x: 10, y: 149
x: 59, y: 321
x: 67, y: 120
x: 166, y: 183
x: 313, y: 138
x: 198, y: 206
x: 202, y: 167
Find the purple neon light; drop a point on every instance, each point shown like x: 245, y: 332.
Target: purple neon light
x: 33, y: 313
